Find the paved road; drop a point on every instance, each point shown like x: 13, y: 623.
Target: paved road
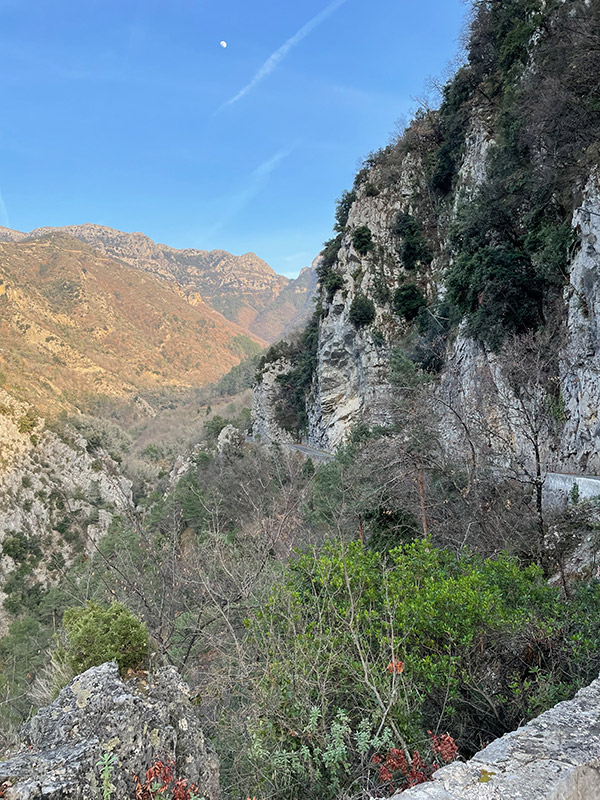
x: 311, y: 452
x: 557, y: 485
x: 306, y: 450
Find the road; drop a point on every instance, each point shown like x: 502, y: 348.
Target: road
x: 558, y: 486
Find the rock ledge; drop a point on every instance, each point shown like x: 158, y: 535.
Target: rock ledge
x: 138, y: 721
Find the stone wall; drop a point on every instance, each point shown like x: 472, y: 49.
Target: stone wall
x: 554, y: 757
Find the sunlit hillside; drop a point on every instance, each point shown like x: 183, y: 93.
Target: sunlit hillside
x: 75, y: 324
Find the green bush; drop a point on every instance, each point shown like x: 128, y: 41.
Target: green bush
x: 214, y: 426
x: 453, y: 122
x: 290, y: 412
x: 362, y: 311
x: 342, y: 211
x: 329, y: 255
x: 28, y: 421
x: 332, y: 283
x: 408, y: 300
x: 480, y: 644
x: 362, y: 240
x: 414, y: 250
x: 95, y: 634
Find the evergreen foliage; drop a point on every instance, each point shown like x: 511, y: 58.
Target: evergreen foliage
x: 453, y: 122
x: 95, y: 634
x: 342, y: 211
x: 455, y: 628
x: 408, y: 301
x: 295, y: 384
x: 414, y: 250
x: 362, y: 311
x: 362, y: 240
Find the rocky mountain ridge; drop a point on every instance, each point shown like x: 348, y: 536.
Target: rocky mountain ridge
x: 244, y: 288
x: 58, y: 497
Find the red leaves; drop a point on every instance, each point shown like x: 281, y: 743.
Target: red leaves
x: 161, y: 783
x: 394, y: 769
x: 444, y: 746
x: 396, y: 667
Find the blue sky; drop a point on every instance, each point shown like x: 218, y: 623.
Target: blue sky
x: 129, y: 113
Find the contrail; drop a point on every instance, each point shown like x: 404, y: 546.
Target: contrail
x: 256, y: 182
x: 275, y: 58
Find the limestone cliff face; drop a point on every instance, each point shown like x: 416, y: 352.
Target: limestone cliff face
x: 351, y: 378
x: 352, y: 363
x: 580, y: 358
x: 265, y: 397
x: 540, y: 278
x: 56, y: 499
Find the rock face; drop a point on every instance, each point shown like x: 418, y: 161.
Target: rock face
x: 351, y: 380
x: 580, y: 362
x: 265, y: 396
x: 138, y: 722
x: 230, y: 439
x: 243, y: 288
x: 554, y: 757
x: 56, y: 499
x: 353, y: 363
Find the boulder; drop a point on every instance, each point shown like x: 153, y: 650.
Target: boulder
x: 138, y: 721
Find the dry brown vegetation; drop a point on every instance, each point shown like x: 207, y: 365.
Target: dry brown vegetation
x: 76, y: 325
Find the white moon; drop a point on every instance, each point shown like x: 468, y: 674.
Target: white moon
x: 223, y: 44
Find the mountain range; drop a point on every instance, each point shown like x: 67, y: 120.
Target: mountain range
x: 87, y: 311
x: 245, y: 289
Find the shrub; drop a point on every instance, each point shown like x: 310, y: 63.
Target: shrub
x: 95, y: 634
x: 290, y: 412
x: 214, y: 426
x: 342, y: 211
x: 362, y: 240
x: 329, y: 254
x: 408, y: 300
x: 457, y: 629
x: 332, y: 283
x: 453, y: 121
x: 362, y: 311
x: 413, y: 250
x: 161, y: 782
x: 27, y: 421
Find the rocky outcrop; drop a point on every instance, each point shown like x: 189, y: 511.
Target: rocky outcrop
x: 350, y: 383
x: 554, y: 757
x: 580, y: 361
x: 136, y: 721
x: 56, y: 499
x: 265, y: 397
x: 230, y: 439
